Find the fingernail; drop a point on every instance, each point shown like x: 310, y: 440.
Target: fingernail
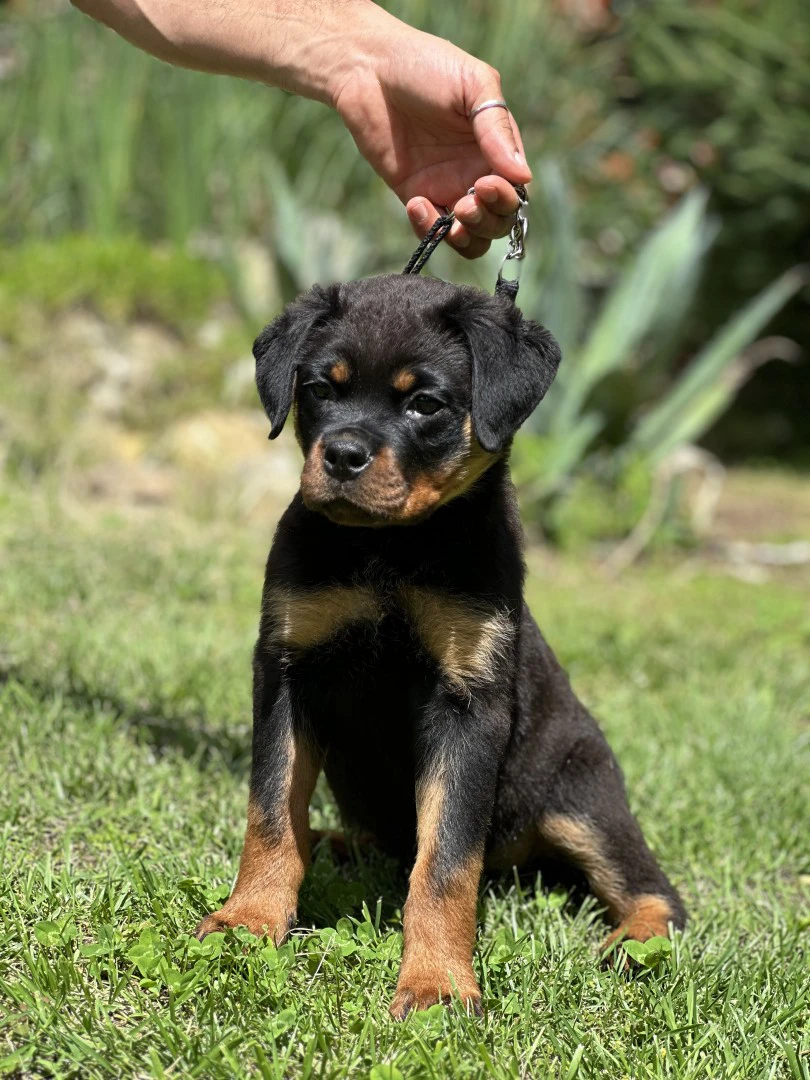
x: 520, y: 159
x: 488, y: 196
x: 474, y: 216
x: 419, y: 214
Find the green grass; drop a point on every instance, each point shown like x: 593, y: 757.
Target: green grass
x: 120, y: 279
x: 124, y: 698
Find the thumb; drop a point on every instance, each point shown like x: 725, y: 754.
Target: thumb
x: 497, y: 133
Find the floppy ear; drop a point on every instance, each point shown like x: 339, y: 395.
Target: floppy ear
x: 514, y: 361
x: 280, y: 347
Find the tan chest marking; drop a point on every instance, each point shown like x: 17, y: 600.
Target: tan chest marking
x: 301, y: 619
x: 465, y: 641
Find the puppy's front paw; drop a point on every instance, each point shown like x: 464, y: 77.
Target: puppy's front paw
x: 420, y: 991
x: 259, y: 919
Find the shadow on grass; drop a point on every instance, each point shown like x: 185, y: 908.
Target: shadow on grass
x: 162, y: 725
x: 335, y: 887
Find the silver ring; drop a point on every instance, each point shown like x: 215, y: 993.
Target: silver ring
x: 495, y: 103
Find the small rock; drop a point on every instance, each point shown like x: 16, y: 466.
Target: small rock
x: 98, y: 442
x: 80, y: 330
x: 210, y: 333
x: 148, y: 345
x: 128, y: 484
x: 254, y: 477
x: 216, y: 440
x: 240, y: 381
x: 257, y: 279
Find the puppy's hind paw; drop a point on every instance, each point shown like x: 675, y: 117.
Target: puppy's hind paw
x: 648, y: 916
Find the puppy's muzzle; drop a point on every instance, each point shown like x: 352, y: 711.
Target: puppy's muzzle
x: 354, y: 478
x: 346, y: 455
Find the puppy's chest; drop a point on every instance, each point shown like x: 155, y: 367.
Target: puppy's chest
x: 464, y: 636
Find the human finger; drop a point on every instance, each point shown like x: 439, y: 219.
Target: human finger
x: 421, y: 214
x: 495, y: 131
x: 497, y: 195
x: 480, y: 220
x: 467, y: 245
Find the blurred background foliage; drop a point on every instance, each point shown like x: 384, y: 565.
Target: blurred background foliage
x: 670, y: 215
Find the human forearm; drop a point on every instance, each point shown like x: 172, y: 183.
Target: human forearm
x: 309, y: 47
x: 410, y: 100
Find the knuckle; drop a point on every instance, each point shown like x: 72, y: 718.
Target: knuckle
x: 493, y: 74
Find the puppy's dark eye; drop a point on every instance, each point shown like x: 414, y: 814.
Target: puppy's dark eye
x: 320, y: 390
x: 424, y: 405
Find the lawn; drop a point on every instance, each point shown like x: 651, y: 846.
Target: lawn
x: 124, y: 696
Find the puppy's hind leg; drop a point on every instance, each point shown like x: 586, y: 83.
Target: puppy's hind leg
x: 587, y: 821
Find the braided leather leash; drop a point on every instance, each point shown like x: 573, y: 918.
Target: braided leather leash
x: 430, y: 241
x: 504, y: 286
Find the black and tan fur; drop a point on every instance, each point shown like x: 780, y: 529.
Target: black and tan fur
x: 395, y: 650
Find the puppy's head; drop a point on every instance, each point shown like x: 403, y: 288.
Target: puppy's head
x: 405, y: 390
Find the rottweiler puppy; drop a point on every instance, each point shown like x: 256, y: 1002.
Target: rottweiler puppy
x: 395, y: 650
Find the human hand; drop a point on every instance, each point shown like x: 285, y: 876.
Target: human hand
x: 407, y: 106
x: 405, y: 96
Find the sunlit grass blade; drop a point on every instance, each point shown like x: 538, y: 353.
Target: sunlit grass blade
x: 559, y: 297
x: 543, y: 464
x: 706, y: 387
x: 662, y: 271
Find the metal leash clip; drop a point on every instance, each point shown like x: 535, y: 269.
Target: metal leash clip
x: 507, y: 287
x: 517, y: 247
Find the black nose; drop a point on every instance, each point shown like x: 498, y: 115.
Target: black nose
x: 345, y: 456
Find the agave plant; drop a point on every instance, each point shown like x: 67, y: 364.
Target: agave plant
x: 631, y: 343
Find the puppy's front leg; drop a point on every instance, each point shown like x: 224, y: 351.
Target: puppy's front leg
x: 276, y: 849
x: 455, y: 795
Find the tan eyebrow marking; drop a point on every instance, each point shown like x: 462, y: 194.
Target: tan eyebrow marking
x: 339, y: 372
x: 404, y: 381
